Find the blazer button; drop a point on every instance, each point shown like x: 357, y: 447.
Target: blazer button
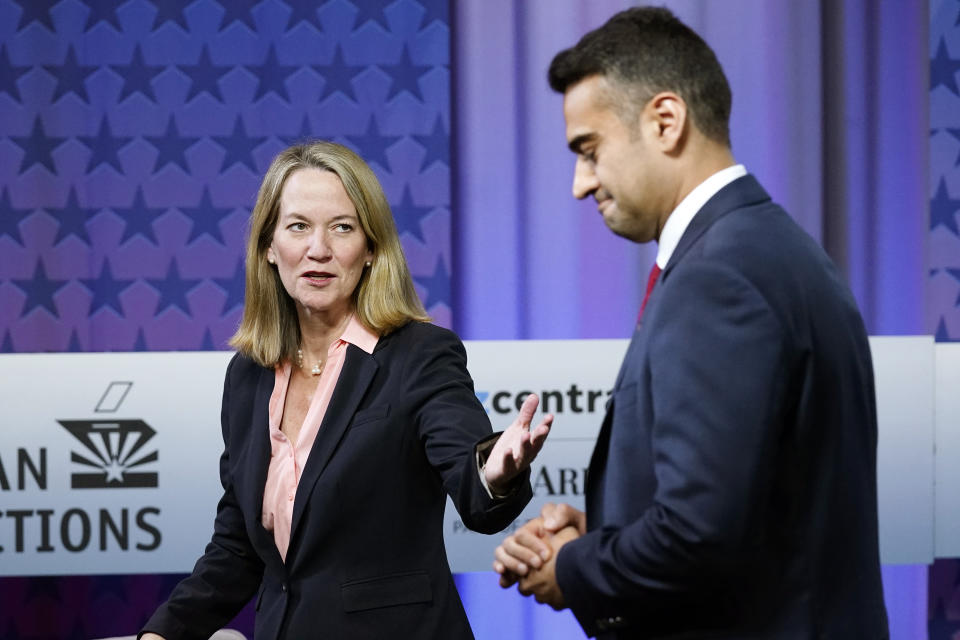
x: 283, y: 588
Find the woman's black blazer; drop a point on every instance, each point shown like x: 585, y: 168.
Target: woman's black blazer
x: 366, y: 556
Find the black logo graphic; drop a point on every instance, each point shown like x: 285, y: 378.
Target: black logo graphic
x: 114, y: 445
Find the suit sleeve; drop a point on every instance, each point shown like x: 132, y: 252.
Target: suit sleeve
x: 226, y: 577
x: 716, y: 362
x: 451, y: 422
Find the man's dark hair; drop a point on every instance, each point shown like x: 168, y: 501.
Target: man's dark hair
x: 646, y: 50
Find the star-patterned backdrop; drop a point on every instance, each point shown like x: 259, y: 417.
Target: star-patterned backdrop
x: 943, y: 288
x: 133, y: 137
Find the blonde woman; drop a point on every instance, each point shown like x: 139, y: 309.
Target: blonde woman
x: 347, y: 420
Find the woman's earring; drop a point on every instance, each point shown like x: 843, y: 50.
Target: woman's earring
x: 369, y: 263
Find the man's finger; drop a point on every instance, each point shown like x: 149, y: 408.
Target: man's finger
x: 520, y: 551
x: 508, y: 579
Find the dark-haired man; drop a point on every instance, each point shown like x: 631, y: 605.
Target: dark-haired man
x: 732, y: 490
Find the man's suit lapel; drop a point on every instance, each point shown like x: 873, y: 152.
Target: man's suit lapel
x: 742, y: 192
x: 358, y: 370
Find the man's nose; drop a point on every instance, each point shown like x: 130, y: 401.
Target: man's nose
x: 584, y: 179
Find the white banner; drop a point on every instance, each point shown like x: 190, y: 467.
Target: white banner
x: 108, y: 462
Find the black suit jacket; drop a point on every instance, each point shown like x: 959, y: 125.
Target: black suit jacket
x: 732, y: 492
x: 366, y: 556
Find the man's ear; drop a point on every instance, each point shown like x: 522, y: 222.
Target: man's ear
x: 665, y: 118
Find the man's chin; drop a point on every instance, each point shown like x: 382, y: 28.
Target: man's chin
x: 624, y: 231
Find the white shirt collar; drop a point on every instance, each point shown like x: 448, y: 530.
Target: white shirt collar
x: 681, y: 217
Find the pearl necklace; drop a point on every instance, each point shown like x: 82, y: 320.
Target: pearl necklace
x: 317, y: 368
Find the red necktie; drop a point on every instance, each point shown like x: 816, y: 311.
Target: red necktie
x: 652, y: 280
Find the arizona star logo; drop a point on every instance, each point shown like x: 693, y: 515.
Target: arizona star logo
x: 114, y: 448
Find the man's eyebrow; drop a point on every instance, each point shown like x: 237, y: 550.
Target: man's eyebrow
x: 579, y: 141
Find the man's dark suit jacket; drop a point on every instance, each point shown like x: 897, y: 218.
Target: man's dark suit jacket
x: 732, y: 492
x: 366, y: 556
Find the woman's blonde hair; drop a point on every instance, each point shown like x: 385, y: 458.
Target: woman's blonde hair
x: 385, y: 298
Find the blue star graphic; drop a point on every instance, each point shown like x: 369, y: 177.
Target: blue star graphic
x: 138, y: 76
x: 272, y: 76
x: 169, y: 11
x: 435, y: 11
x: 943, y: 69
x: 11, y: 217
x: 106, y: 290
x: 10, y: 74
x: 437, y: 145
x: 372, y: 145
x: 39, y: 290
x: 74, y: 347
x: 31, y: 10
x: 104, y: 147
x: 234, y: 287
x: 239, y: 146
x: 173, y: 289
x: 71, y: 76
x: 205, y: 76
x: 305, y: 135
x: 338, y: 75
x: 171, y: 147
x: 301, y: 12
x: 956, y: 134
x: 117, y: 586
x: 405, y: 76
x: 370, y: 10
x: 206, y: 343
x: 939, y: 627
x: 942, y: 335
x: 206, y: 218
x: 101, y: 10
x: 45, y: 586
x: 956, y: 276
x: 7, y: 347
x: 140, y: 342
x: 138, y: 219
x: 407, y: 215
x: 437, y: 285
x: 943, y: 210
x: 37, y: 147
x: 72, y: 219
x: 237, y: 11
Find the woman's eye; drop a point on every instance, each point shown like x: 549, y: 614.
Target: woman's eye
x: 297, y: 226
x: 343, y: 227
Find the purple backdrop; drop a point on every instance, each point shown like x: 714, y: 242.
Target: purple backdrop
x: 133, y: 136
